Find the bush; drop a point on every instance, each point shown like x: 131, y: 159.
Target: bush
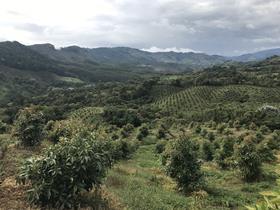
x: 265, y: 152
x: 248, y: 160
x: 211, y: 136
x: 126, y: 130
x: 259, y: 137
x: 160, y: 146
x: 181, y: 163
x: 29, y: 126
x: 264, y: 129
x: 197, y: 129
x: 161, y: 133
x: 207, y: 151
x: 122, y: 149
x: 143, y: 132
x: 122, y: 116
x: 65, y: 170
x: 64, y: 129
x: 236, y: 124
x: 223, y: 155
x: 203, y: 132
x: 221, y: 128
x: 3, y: 127
x: 253, y: 126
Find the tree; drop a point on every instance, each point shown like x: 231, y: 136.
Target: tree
x: 161, y: 132
x: 223, y: 155
x: 29, y: 126
x: 3, y: 127
x: 248, y: 160
x: 160, y: 146
x: 143, y: 132
x: 65, y: 170
x: 207, y: 151
x: 181, y: 163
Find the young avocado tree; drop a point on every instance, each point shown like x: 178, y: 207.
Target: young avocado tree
x: 29, y: 126
x: 248, y: 160
x: 71, y: 166
x: 180, y: 159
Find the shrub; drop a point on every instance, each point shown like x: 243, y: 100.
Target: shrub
x: 122, y: 149
x: 65, y: 170
x: 203, y: 132
x: 223, y: 155
x: 143, y: 132
x: 65, y: 129
x: 122, y: 116
x: 197, y: 129
x: 236, y: 124
x: 211, y: 136
x: 248, y: 160
x: 221, y: 128
x: 29, y: 126
x: 3, y: 127
x: 259, y: 137
x: 126, y: 130
x: 160, y: 146
x: 265, y: 152
x: 264, y: 129
x: 253, y: 126
x: 207, y: 151
x: 181, y: 163
x: 161, y: 133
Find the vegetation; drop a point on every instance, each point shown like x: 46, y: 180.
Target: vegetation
x: 196, y: 140
x: 181, y: 162
x: 29, y: 126
x: 59, y: 176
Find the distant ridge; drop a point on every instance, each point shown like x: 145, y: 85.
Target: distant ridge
x: 257, y: 56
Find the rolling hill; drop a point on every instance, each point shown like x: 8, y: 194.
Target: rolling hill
x: 257, y: 56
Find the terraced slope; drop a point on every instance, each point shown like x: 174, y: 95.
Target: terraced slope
x: 201, y: 97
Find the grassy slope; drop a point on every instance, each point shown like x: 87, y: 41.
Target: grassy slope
x: 141, y: 184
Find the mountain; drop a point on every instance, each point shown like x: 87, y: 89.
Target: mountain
x: 161, y: 61
x: 257, y: 56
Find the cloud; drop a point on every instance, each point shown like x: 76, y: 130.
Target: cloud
x: 211, y: 26
x: 171, y: 49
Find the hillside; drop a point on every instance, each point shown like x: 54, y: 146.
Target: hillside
x: 132, y: 140
x: 257, y: 56
x: 130, y: 56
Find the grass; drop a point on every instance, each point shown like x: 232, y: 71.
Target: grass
x: 140, y: 183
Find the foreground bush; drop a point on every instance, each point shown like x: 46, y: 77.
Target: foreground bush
x: 29, y: 126
x: 181, y: 163
x: 248, y: 160
x: 65, y: 170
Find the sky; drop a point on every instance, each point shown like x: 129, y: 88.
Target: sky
x: 224, y: 27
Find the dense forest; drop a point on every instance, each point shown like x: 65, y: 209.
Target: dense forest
x: 96, y: 136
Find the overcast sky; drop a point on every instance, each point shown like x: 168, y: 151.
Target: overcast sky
x: 226, y: 27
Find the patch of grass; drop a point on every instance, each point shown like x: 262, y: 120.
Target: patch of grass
x: 144, y: 186
x: 140, y: 183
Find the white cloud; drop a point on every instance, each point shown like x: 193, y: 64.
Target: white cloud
x: 171, y: 49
